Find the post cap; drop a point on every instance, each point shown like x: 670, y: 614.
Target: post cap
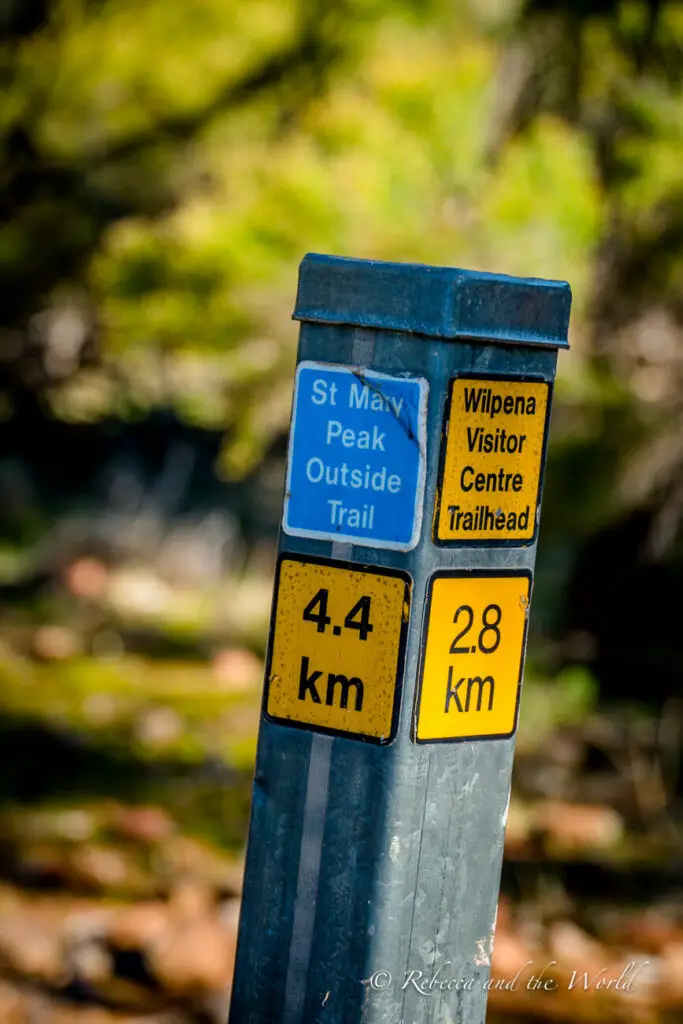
x: 440, y: 302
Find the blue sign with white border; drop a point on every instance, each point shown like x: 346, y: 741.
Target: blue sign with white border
x: 357, y: 453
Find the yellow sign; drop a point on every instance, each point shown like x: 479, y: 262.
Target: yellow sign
x: 495, y: 445
x: 337, y: 647
x: 473, y: 656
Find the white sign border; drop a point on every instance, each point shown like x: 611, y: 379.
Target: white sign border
x: 346, y: 538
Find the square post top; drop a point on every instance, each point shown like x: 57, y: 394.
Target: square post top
x: 439, y: 302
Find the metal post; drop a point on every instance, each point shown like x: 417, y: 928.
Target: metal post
x: 416, y: 455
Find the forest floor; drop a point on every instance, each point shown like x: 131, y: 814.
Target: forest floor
x: 124, y: 796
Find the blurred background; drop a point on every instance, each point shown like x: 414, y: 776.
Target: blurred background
x: 163, y: 168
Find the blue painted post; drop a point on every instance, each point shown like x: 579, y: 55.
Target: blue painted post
x: 417, y: 446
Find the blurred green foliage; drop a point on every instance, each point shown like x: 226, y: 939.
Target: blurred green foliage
x: 188, y: 157
x: 165, y: 166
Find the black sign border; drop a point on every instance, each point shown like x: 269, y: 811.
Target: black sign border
x: 468, y: 574
x: 333, y: 563
x: 445, y: 421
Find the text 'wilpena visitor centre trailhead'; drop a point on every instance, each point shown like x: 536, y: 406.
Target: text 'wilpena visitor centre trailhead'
x: 495, y: 437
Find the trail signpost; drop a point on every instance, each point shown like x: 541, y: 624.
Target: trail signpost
x: 395, y: 662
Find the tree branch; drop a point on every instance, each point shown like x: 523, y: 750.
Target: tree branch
x: 311, y: 52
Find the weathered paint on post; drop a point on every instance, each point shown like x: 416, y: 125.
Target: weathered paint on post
x: 378, y: 813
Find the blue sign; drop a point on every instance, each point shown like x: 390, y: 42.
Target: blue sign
x: 356, y: 468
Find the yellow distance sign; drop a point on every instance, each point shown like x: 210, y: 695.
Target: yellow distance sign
x: 337, y: 647
x: 474, y: 641
x: 495, y: 444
